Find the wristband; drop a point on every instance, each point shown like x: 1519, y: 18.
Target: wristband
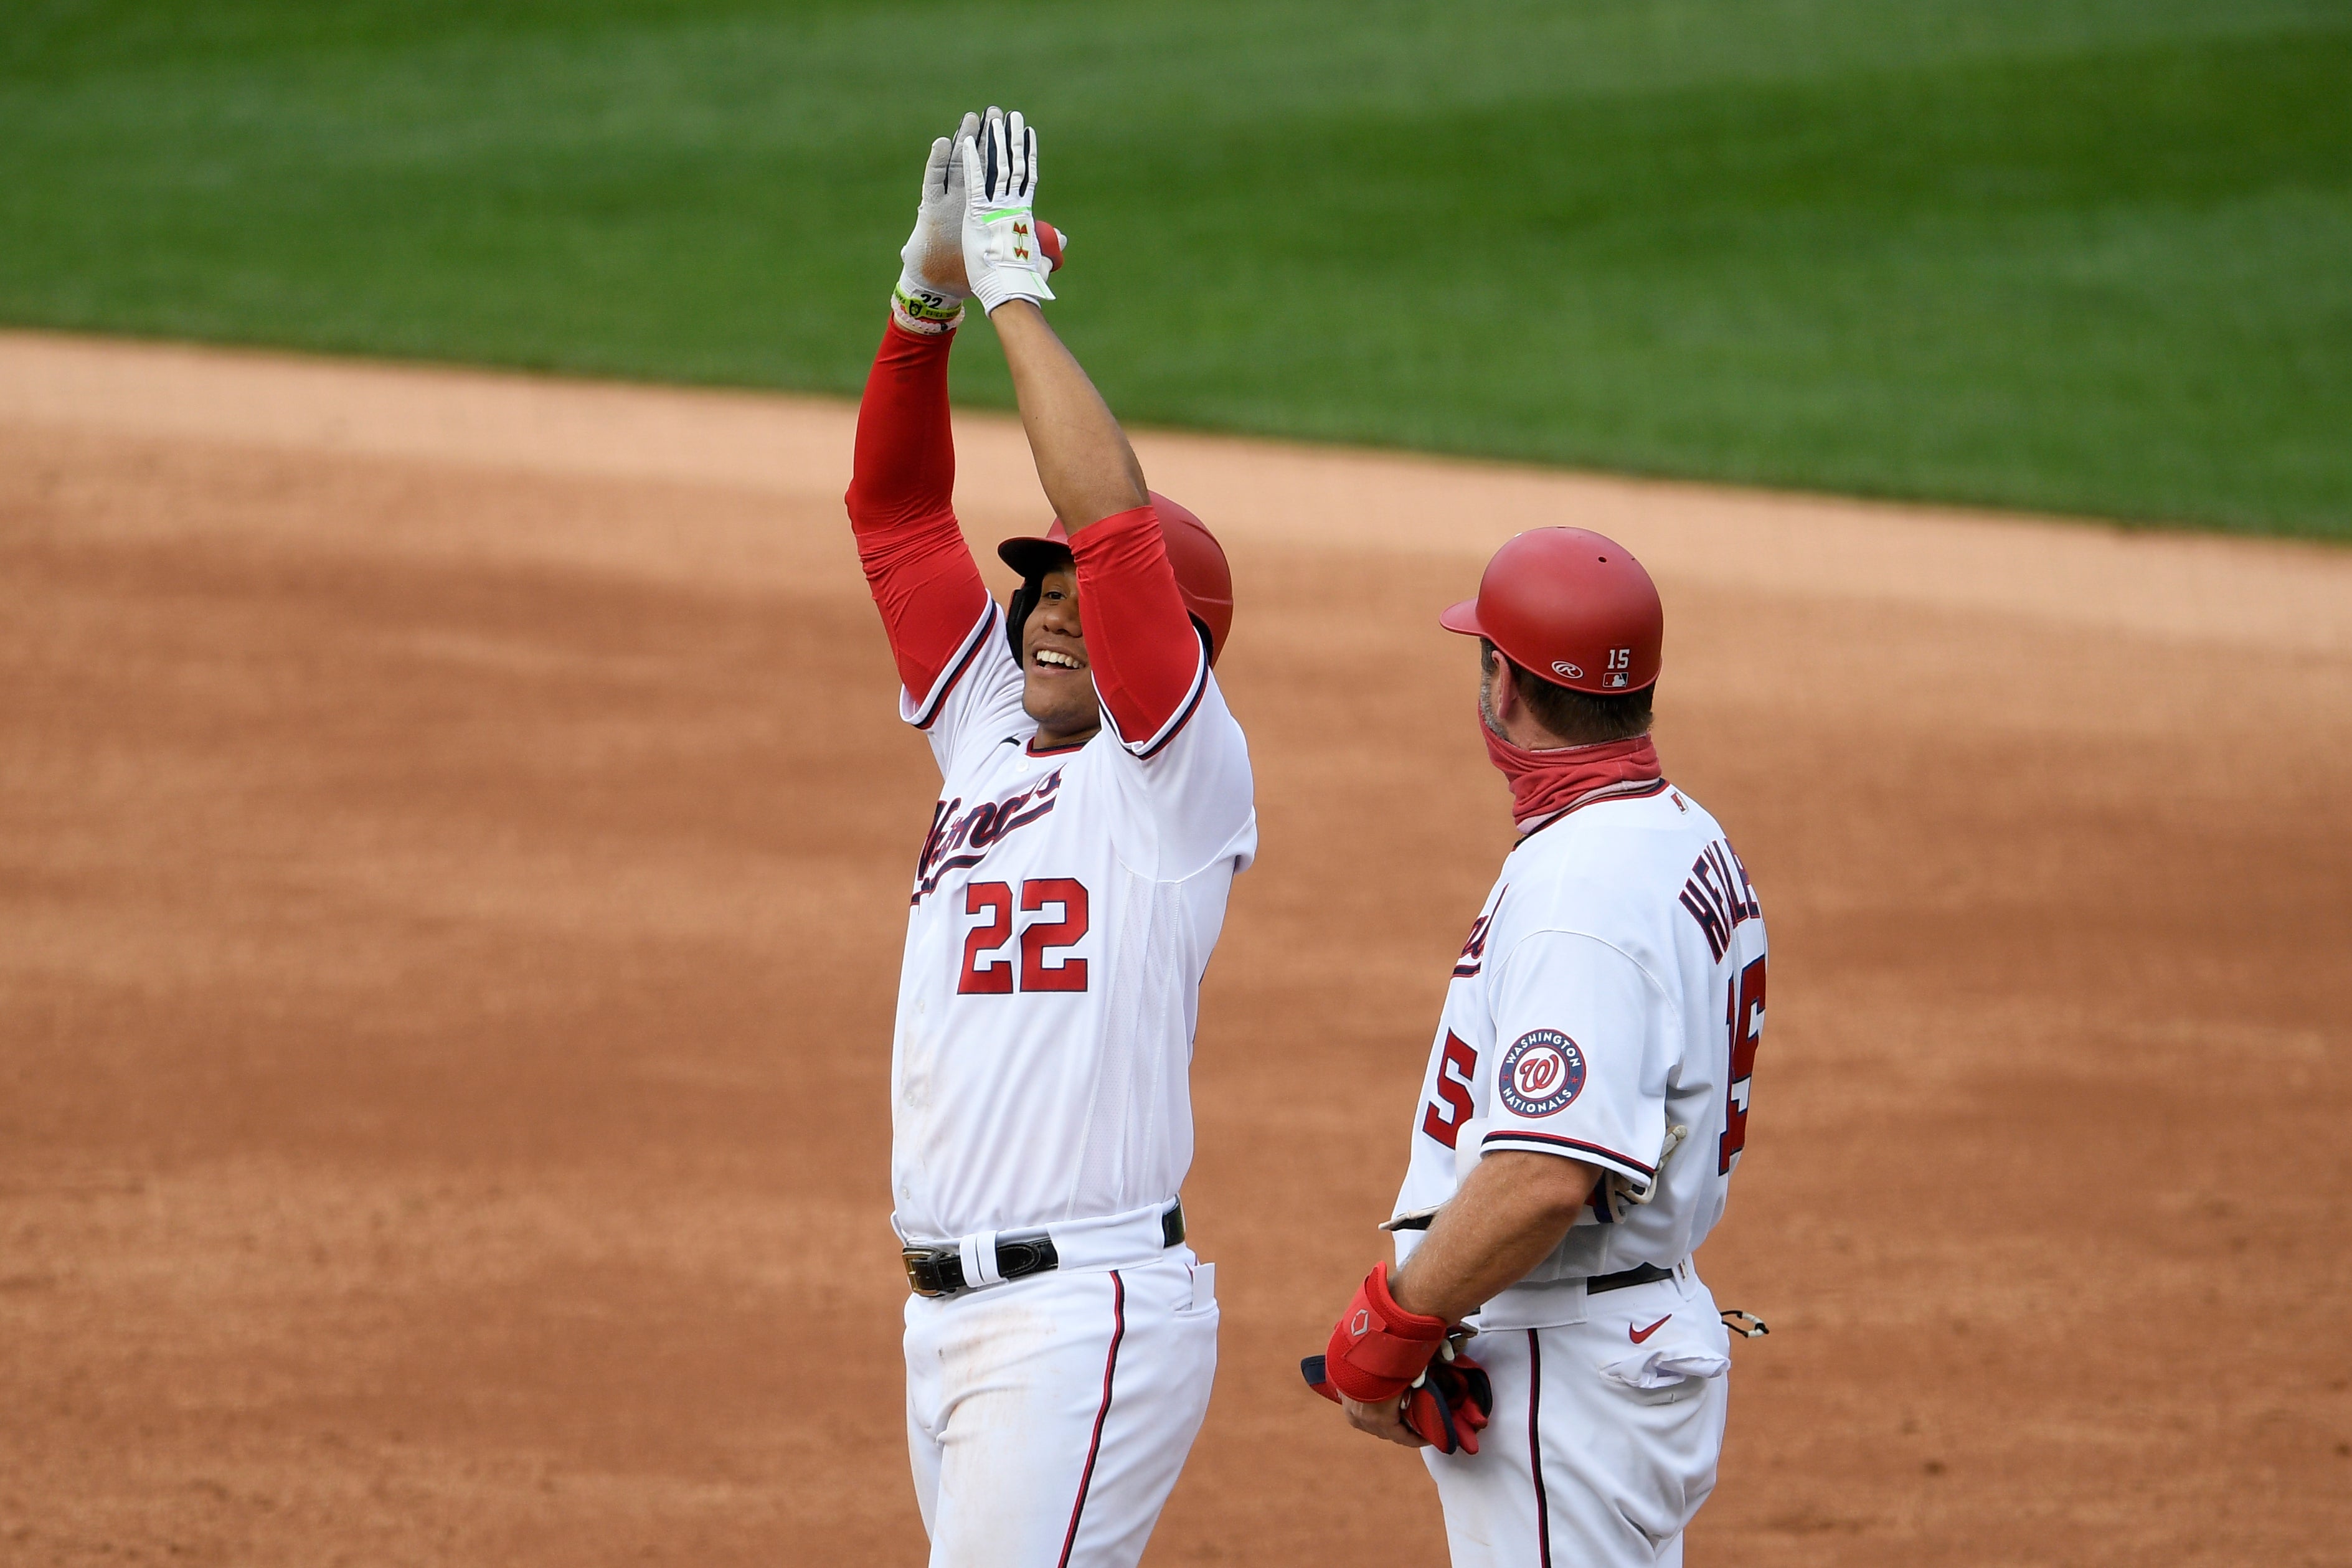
x: 1377, y: 1347
x: 925, y: 311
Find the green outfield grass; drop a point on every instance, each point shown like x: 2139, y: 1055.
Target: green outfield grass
x: 2093, y: 255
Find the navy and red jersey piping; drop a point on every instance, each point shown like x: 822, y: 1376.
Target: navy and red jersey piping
x: 981, y: 631
x: 1554, y: 1142
x: 1175, y: 726
x: 1637, y: 789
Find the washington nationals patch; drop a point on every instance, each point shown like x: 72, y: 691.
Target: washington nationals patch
x: 1541, y: 1073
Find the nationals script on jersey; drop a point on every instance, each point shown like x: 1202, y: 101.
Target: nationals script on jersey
x: 1611, y: 989
x: 1064, y: 908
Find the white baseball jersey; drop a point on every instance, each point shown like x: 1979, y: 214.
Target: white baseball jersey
x: 1611, y: 989
x: 1064, y: 908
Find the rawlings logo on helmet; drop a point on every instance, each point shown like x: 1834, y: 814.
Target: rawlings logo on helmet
x: 1560, y: 667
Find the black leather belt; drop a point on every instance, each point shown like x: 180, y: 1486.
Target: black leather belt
x: 1640, y: 1274
x: 938, y: 1270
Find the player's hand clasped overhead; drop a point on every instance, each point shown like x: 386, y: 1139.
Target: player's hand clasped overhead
x: 1002, y: 256
x: 932, y: 286
x: 932, y: 281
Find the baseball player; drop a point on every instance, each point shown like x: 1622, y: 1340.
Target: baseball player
x: 1095, y: 807
x: 1585, y: 1105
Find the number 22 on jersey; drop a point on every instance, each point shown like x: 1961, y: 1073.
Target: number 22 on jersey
x: 985, y: 974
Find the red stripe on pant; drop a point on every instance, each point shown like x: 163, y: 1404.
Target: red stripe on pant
x: 1535, y: 1448
x: 1094, y: 1446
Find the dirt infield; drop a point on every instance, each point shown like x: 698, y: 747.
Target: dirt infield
x: 452, y: 839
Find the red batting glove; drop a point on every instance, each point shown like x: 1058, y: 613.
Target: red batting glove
x: 1378, y: 1348
x: 1450, y: 1405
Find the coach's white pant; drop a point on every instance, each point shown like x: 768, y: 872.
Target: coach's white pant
x: 1047, y: 1417
x: 1578, y: 1468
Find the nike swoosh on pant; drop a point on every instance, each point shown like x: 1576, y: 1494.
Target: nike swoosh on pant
x: 1638, y: 1335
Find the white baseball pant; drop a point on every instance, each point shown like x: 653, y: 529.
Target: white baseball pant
x: 1047, y: 1417
x: 1580, y: 1467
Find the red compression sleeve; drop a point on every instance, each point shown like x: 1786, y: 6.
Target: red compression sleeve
x: 1139, y: 639
x: 902, y: 507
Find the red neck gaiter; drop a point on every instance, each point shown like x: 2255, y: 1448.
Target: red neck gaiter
x: 1545, y: 784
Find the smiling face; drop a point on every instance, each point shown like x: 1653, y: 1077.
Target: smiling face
x: 1057, y: 686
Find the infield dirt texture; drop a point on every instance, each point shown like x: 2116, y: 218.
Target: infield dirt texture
x: 453, y: 834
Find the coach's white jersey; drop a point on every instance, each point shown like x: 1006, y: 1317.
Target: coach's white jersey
x: 1611, y: 989
x: 1064, y: 908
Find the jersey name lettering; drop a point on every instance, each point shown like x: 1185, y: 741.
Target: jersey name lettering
x: 1719, y: 895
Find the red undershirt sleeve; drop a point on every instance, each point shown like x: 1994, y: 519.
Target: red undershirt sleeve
x: 901, y: 509
x: 1150, y: 665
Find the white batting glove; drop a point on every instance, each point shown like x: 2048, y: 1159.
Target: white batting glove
x: 931, y: 287
x: 1002, y: 257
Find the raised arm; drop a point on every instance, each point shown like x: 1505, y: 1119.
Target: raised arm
x: 1084, y: 461
x: 1083, y: 457
x: 1148, y: 662
x: 900, y: 508
x: 902, y: 486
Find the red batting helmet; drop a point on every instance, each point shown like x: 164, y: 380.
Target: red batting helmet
x: 1199, y: 561
x: 1570, y: 605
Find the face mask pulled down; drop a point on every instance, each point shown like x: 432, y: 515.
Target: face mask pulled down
x: 1545, y: 784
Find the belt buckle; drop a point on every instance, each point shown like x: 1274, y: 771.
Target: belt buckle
x: 916, y: 1259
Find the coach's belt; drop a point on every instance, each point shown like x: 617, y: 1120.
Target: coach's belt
x: 1640, y: 1274
x: 991, y: 1258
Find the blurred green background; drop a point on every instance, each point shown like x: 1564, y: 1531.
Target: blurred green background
x: 2091, y: 255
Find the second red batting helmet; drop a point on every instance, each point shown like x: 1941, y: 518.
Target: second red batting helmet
x: 1202, y: 577
x: 1570, y: 605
